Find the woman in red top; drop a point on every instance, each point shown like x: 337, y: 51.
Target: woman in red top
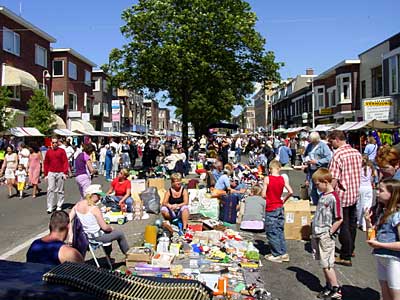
x: 274, y: 215
x: 121, y: 187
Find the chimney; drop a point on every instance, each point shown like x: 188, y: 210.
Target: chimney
x: 309, y: 71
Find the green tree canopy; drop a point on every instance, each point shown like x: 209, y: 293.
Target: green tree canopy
x: 204, y: 53
x: 41, y: 113
x: 6, y: 117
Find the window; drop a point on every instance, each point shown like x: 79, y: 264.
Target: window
x: 72, y: 101
x: 363, y: 90
x: 393, y: 75
x: 58, y: 100
x: 72, y: 72
x: 377, y: 87
x: 343, y: 88
x: 58, y: 68
x: 40, y: 56
x: 97, y: 83
x: 105, y: 110
x: 105, y: 87
x: 88, y: 78
x: 11, y: 41
x: 114, y: 92
x: 331, y: 97
x: 14, y: 92
x: 319, y: 96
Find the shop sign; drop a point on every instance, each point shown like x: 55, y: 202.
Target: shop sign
x: 378, y: 108
x: 325, y: 111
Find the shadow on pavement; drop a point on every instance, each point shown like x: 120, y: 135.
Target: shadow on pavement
x: 67, y: 206
x: 307, y: 247
x: 350, y: 292
x: 309, y: 280
x: 262, y: 247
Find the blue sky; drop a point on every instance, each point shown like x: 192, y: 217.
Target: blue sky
x: 303, y: 34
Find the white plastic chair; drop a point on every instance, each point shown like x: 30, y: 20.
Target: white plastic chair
x: 93, y: 245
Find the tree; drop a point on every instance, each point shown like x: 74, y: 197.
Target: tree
x: 41, y: 113
x: 6, y: 116
x: 198, y: 51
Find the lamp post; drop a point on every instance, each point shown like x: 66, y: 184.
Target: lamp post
x: 311, y: 80
x: 45, y: 76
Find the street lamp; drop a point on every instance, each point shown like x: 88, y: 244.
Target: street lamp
x: 311, y: 80
x: 45, y: 76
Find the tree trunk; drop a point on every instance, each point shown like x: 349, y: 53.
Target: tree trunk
x: 185, y: 115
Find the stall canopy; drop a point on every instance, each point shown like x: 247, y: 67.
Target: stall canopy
x: 25, y: 131
x: 322, y: 127
x: 296, y: 129
x: 133, y: 134
x: 372, y: 124
x: 59, y: 122
x: 65, y: 132
x: 17, y: 77
x: 81, y: 126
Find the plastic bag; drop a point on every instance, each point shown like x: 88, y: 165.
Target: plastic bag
x: 151, y: 200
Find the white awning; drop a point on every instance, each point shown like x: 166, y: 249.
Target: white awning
x: 322, y: 127
x: 81, y: 126
x: 65, y: 132
x: 59, y: 122
x: 133, y: 134
x: 17, y: 77
x: 346, y: 126
x: 25, y: 131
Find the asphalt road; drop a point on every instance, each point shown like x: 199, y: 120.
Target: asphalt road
x: 301, y: 278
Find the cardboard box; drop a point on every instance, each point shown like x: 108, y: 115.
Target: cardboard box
x: 297, y: 220
x: 137, y: 254
x: 138, y: 185
x: 159, y: 183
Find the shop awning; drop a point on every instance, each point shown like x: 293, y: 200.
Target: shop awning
x: 133, y: 134
x: 322, y: 127
x: 65, y: 132
x: 25, y: 131
x: 296, y: 129
x: 17, y: 77
x: 59, y: 122
x: 346, y: 126
x: 373, y: 124
x: 81, y: 126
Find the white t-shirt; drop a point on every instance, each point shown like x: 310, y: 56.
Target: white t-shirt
x: 21, y: 175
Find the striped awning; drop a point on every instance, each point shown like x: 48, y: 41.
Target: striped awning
x: 25, y: 131
x: 66, y: 132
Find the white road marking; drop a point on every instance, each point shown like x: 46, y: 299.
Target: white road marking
x: 23, y: 245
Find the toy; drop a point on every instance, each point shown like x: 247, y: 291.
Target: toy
x: 114, y: 217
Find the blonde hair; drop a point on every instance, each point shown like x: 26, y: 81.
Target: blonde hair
x: 176, y: 177
x: 89, y: 200
x: 274, y: 164
x: 387, y: 155
x: 256, y: 190
x: 125, y: 172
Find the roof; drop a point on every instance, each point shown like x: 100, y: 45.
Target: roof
x: 5, y: 11
x: 74, y: 53
x: 331, y: 71
x: 379, y: 43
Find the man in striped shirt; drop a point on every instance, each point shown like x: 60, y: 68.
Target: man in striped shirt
x: 345, y: 168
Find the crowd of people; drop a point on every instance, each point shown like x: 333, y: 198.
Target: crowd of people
x: 351, y: 190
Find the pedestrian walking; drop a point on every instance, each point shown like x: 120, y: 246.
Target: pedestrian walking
x: 84, y: 169
x: 364, y: 202
x: 21, y: 175
x: 345, y: 168
x: 8, y: 169
x: 55, y: 167
x: 34, y: 167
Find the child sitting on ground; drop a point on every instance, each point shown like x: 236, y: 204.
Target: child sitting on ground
x: 254, y: 210
x: 21, y: 175
x: 274, y: 217
x: 327, y: 220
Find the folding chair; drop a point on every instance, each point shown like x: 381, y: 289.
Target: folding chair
x: 93, y: 245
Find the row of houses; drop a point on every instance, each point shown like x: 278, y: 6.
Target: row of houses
x: 359, y: 89
x: 82, y: 95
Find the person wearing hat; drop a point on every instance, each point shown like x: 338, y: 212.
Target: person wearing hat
x: 92, y: 219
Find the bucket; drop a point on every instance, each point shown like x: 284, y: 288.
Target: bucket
x: 150, y: 235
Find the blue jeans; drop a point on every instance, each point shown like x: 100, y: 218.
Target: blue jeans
x: 238, y: 154
x: 128, y: 202
x: 274, y: 225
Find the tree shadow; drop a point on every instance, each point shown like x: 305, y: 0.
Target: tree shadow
x: 67, y: 206
x: 309, y: 280
x: 262, y: 247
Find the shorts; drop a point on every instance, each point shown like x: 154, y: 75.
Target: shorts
x: 388, y: 270
x: 20, y: 186
x: 9, y: 174
x: 324, y: 250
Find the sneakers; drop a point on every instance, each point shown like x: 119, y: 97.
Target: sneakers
x: 272, y: 258
x: 343, y: 262
x: 336, y: 293
x: 49, y: 211
x: 58, y: 209
x: 324, y: 293
x: 285, y: 257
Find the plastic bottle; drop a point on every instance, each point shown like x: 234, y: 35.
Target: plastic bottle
x: 163, y: 244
